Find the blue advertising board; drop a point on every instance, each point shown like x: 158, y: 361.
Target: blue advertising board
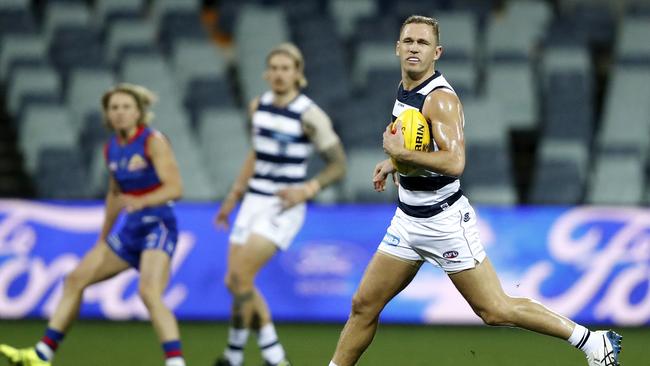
x: 589, y: 263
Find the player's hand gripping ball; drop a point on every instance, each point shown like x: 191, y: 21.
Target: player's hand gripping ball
x: 417, y: 137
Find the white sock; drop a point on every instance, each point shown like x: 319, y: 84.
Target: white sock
x: 582, y: 338
x: 175, y: 361
x: 237, y: 339
x: 272, y: 350
x: 44, y: 351
x: 332, y: 364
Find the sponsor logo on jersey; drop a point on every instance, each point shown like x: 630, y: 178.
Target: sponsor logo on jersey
x: 450, y: 254
x: 466, y: 217
x: 136, y: 162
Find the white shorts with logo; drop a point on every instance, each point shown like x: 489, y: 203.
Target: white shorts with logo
x: 263, y: 215
x: 449, y: 240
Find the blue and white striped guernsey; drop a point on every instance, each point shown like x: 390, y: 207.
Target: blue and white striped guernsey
x: 421, y: 193
x: 281, y: 145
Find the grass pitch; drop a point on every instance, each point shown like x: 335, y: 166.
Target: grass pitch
x: 101, y: 343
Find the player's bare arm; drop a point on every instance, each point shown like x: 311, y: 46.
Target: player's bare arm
x: 318, y: 127
x: 166, y: 167
x: 239, y: 186
x: 444, y: 112
x: 381, y: 172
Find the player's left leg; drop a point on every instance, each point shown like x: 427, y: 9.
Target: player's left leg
x: 482, y: 289
x: 249, y: 306
x: 154, y: 277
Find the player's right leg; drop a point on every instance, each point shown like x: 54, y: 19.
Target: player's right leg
x: 98, y: 264
x: 385, y: 277
x: 244, y: 262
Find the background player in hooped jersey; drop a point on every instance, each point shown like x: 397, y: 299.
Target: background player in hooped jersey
x: 435, y: 223
x: 144, y: 180
x: 286, y: 126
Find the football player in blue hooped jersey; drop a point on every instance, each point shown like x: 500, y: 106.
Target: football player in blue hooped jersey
x: 286, y: 127
x: 434, y: 222
x: 144, y: 180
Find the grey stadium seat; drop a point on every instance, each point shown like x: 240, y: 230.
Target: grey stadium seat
x: 25, y: 81
x: 36, y: 132
x: 20, y: 46
x: 618, y: 178
x: 357, y: 184
x: 85, y: 90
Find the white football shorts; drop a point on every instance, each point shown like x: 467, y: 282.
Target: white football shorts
x: 263, y: 215
x: 449, y: 240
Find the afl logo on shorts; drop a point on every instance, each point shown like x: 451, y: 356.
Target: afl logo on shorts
x: 450, y: 254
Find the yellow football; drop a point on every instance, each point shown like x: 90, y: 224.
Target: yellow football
x: 415, y: 130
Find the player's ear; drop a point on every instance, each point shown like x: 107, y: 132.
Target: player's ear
x: 397, y: 48
x: 438, y: 53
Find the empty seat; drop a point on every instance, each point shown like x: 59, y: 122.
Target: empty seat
x: 76, y: 46
x: 61, y: 174
x: 29, y: 80
x: 223, y: 133
x: 512, y: 85
x: 85, y: 90
x: 20, y: 46
x: 458, y: 36
x: 633, y: 46
x: 126, y: 33
x: 357, y: 184
x: 180, y: 25
x: 563, y: 164
x: 373, y: 56
x: 16, y: 18
x: 206, y: 93
x: 488, y: 174
x: 35, y: 132
x: 63, y: 14
x: 108, y: 10
x: 196, y: 60
x: 484, y: 122
x: 618, y: 178
x: 346, y: 13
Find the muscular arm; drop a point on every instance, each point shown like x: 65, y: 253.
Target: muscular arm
x: 319, y: 129
x: 445, y: 113
x: 112, y: 208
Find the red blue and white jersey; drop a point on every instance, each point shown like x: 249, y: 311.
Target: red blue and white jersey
x: 131, y: 166
x: 130, y: 163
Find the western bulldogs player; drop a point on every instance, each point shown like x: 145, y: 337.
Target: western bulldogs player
x: 144, y: 180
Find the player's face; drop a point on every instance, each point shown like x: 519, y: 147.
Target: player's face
x: 282, y: 73
x: 417, y: 48
x: 122, y: 112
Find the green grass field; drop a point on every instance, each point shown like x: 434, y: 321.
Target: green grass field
x: 98, y: 343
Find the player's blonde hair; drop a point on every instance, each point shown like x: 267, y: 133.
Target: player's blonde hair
x: 421, y: 19
x: 292, y: 51
x: 143, y: 97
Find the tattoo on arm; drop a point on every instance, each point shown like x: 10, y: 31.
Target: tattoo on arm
x: 336, y: 165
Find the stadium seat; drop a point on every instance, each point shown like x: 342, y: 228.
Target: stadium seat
x: 357, y: 185
x: 106, y: 11
x: 223, y: 133
x: 20, y: 46
x: 60, y: 174
x: 614, y: 170
x: 35, y: 132
x: 632, y: 46
x: 31, y: 80
x: 205, y: 93
x: 76, y: 46
x: 85, y: 90
x: 59, y: 14
x: 512, y: 85
x: 373, y: 55
x: 626, y: 111
x: 257, y: 30
x: 488, y: 176
x: 16, y: 18
x: 484, y: 123
x: 346, y: 13
x: 194, y: 60
x: 124, y: 33
x: 459, y: 36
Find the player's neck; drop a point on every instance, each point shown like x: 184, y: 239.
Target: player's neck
x: 282, y: 99
x: 410, y: 81
x: 125, y: 135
